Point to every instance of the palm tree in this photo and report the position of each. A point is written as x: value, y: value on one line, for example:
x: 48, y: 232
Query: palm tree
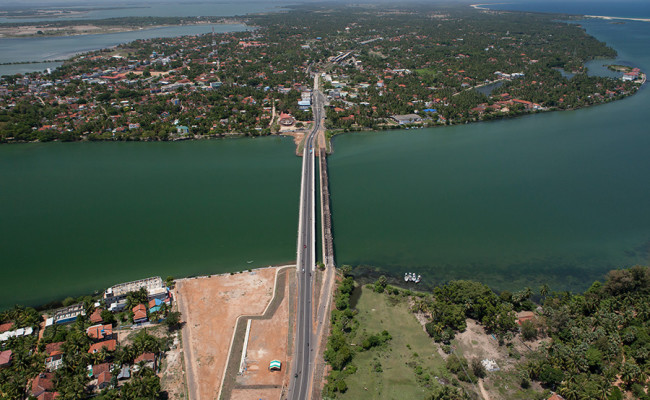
x: 544, y: 290
x: 604, y: 390
x: 570, y: 392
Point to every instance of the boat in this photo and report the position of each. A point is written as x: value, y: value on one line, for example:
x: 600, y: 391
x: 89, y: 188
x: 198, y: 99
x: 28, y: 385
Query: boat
x: 412, y: 277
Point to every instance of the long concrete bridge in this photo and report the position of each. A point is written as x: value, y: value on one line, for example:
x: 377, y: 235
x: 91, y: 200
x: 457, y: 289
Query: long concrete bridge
x: 307, y: 339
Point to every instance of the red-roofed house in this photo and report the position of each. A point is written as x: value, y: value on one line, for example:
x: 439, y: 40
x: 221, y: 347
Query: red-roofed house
x: 100, y: 368
x: 109, y: 344
x: 286, y: 120
x: 104, y: 379
x: 96, y: 316
x: 48, y: 396
x: 525, y: 316
x: 54, y: 353
x: 42, y: 383
x: 555, y: 396
x: 148, y: 358
x: 100, y: 332
x: 6, y: 327
x: 139, y: 314
x: 5, y: 358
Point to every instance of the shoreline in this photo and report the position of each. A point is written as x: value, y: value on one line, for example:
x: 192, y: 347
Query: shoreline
x: 485, y: 7
x: 609, y: 18
x: 97, y: 292
x: 31, y: 31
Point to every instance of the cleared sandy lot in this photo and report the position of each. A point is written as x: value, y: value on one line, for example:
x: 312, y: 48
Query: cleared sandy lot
x: 216, y: 311
x: 210, y: 307
x: 268, y: 340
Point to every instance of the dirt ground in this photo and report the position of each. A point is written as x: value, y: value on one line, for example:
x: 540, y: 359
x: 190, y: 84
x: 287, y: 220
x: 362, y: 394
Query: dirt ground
x: 172, y: 377
x: 267, y: 341
x: 475, y: 343
x: 254, y: 394
x: 210, y: 307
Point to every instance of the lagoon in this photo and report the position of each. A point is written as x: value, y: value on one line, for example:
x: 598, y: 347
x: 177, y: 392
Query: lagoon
x: 555, y: 198
x: 79, y: 217
x: 62, y: 47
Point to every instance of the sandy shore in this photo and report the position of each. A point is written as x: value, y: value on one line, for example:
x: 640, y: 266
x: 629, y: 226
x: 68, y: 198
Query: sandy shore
x: 605, y: 17
x: 32, y: 30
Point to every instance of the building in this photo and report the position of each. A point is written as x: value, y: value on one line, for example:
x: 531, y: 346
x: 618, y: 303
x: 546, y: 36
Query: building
x: 100, y: 332
x: 555, y: 396
x: 156, y: 305
x: 103, y: 374
x: 304, y: 104
x: 68, y: 314
x: 16, y: 333
x: 125, y: 373
x: 42, y: 383
x: 96, y: 316
x: 54, y: 356
x: 139, y: 314
x: 149, y: 360
x: 5, y: 358
x: 182, y: 130
x: 97, y: 347
x: 525, y: 316
x: 115, y: 296
x: 286, y: 120
x: 6, y: 327
x: 407, y: 119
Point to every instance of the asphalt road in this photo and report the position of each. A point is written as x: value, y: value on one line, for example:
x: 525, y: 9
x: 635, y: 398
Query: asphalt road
x: 299, y: 384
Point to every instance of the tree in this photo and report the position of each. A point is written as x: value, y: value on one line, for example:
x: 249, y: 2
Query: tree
x: 380, y: 284
x: 173, y: 320
x: 140, y: 296
x: 478, y: 368
x: 528, y: 330
x: 108, y: 317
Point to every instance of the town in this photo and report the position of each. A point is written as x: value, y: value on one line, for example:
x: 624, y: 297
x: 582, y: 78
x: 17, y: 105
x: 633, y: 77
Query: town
x: 385, y: 70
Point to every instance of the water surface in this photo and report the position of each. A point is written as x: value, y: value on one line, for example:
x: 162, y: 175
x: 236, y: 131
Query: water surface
x: 556, y: 198
x: 79, y: 217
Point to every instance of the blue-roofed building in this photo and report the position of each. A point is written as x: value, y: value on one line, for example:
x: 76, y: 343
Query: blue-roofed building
x: 430, y: 110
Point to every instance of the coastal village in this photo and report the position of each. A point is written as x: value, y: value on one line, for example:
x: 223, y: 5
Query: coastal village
x: 258, y: 82
x: 93, y: 345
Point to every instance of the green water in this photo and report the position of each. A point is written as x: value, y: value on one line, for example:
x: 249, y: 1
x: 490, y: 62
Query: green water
x: 556, y: 198
x: 77, y: 217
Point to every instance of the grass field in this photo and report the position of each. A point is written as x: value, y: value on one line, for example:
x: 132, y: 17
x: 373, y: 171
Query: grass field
x: 403, y: 368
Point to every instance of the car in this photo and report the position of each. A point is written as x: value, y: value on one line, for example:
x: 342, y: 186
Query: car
x: 296, y: 375
x: 304, y: 246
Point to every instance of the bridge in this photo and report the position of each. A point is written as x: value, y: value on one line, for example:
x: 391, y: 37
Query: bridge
x: 306, y: 342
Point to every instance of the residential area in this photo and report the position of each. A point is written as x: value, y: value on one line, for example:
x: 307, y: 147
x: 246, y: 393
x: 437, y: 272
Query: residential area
x: 437, y: 68
x: 92, y: 348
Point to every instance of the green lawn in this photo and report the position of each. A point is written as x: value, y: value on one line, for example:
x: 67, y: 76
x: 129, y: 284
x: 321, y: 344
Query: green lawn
x: 397, y: 378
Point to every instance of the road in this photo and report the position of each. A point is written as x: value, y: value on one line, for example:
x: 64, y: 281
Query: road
x: 300, y: 382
